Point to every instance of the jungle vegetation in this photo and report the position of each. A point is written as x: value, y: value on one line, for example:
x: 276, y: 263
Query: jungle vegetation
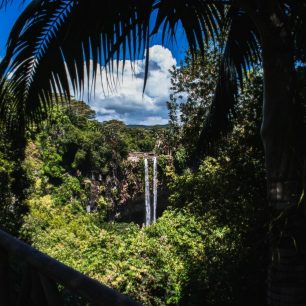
x: 210, y: 244
x: 43, y: 57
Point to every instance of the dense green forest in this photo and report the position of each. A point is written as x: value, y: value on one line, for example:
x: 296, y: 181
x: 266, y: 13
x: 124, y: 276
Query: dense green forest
x: 64, y: 192
x: 227, y: 172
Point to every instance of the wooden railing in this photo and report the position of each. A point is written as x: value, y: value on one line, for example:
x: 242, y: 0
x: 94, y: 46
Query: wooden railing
x: 31, y: 278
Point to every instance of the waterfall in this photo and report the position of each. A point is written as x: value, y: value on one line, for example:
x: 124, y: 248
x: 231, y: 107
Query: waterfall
x: 147, y: 193
x: 154, y: 188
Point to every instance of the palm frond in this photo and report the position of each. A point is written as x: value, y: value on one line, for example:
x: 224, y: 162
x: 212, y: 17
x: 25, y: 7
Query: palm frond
x: 51, y: 50
x: 201, y: 21
x: 56, y: 46
x: 241, y: 52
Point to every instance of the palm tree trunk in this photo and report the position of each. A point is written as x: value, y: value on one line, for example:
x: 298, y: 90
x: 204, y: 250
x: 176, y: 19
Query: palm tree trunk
x: 280, y: 127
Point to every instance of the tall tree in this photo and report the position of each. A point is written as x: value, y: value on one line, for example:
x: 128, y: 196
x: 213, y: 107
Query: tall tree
x: 50, y: 49
x: 192, y: 85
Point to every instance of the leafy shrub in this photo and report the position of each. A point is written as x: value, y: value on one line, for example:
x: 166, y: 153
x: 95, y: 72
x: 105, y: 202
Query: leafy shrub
x: 164, y: 264
x: 229, y: 186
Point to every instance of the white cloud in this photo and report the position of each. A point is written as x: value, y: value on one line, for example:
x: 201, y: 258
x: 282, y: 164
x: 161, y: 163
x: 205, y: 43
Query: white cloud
x: 128, y: 102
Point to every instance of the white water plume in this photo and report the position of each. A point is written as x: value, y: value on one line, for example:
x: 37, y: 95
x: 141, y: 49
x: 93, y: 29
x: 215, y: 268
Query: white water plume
x: 154, y: 188
x: 147, y: 194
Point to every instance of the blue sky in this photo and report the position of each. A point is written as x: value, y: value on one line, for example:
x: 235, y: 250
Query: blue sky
x: 7, y: 18
x: 127, y: 103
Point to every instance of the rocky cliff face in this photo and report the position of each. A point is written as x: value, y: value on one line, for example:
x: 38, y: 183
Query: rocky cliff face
x: 136, y: 157
x: 124, y: 189
x: 118, y: 193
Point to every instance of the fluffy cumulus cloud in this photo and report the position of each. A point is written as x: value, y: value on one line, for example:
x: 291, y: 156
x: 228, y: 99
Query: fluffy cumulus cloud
x: 128, y: 102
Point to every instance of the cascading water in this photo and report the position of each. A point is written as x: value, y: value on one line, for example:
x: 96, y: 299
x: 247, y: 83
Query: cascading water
x: 154, y: 188
x: 147, y: 193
